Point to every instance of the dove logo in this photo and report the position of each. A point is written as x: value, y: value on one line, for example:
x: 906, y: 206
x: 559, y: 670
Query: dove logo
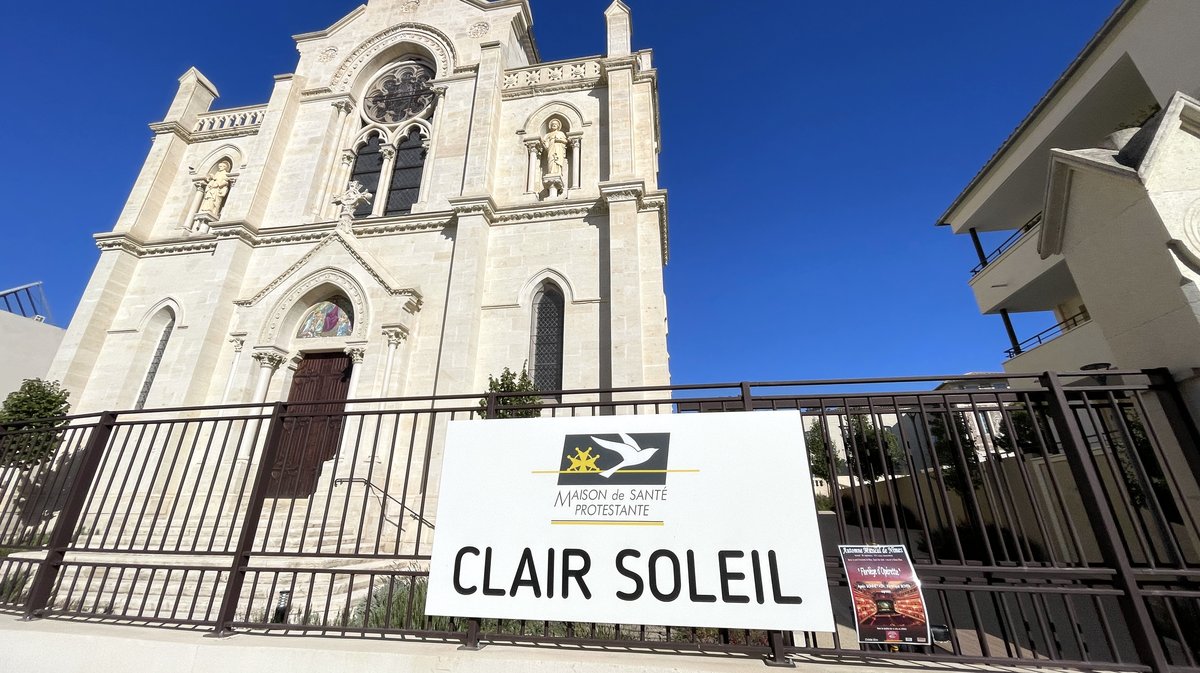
x: 638, y: 458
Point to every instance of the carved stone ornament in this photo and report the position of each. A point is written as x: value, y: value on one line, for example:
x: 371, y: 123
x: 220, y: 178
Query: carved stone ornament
x: 395, y: 335
x: 555, y: 142
x: 350, y: 200
x: 269, y: 359
x: 553, y: 185
x: 438, y: 45
x: 356, y: 353
x: 400, y: 94
x: 238, y: 343
x: 410, y: 5
x: 327, y: 54
x: 216, y: 189
x: 479, y: 29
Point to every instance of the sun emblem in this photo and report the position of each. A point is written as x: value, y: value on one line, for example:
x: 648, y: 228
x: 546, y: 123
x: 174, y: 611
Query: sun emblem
x: 583, y: 461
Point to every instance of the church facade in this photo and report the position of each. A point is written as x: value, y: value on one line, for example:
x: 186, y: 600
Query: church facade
x: 421, y: 204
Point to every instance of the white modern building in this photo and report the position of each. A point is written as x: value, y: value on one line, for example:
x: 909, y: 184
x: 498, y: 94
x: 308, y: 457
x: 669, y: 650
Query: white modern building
x: 28, y: 341
x: 1100, y: 187
x: 422, y: 203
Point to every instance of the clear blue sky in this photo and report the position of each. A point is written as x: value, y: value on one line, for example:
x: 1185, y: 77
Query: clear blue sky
x: 809, y: 148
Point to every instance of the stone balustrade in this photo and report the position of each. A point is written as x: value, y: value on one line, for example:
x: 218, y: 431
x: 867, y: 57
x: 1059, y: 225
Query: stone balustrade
x: 561, y: 75
x: 226, y: 120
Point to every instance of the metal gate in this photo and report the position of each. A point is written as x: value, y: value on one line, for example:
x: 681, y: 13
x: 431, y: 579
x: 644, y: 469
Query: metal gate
x: 1052, y: 518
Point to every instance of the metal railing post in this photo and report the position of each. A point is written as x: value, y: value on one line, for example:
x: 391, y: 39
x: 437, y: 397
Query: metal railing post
x: 747, y: 397
x: 68, y: 517
x: 1103, y: 523
x: 471, y: 637
x: 778, y: 657
x: 241, y: 558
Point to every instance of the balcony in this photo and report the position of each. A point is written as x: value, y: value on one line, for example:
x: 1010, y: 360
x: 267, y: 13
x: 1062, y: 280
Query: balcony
x: 27, y: 301
x: 1016, y: 278
x: 1070, y: 344
x: 1008, y: 243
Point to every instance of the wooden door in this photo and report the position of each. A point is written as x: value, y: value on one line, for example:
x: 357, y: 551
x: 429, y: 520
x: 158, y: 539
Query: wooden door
x: 312, y: 428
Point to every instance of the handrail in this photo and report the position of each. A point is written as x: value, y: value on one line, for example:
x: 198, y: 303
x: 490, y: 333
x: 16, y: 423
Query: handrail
x: 1008, y: 243
x: 34, y: 304
x: 1049, y: 334
x: 361, y: 480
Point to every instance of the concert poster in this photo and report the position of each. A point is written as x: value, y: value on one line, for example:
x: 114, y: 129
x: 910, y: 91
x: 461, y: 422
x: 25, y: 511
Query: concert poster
x: 888, y: 604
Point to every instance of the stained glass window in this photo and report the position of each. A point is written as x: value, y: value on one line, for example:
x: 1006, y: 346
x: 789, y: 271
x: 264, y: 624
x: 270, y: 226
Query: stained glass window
x: 333, y: 317
x: 155, y: 361
x: 548, y: 338
x: 367, y: 167
x: 400, y: 94
x: 406, y: 175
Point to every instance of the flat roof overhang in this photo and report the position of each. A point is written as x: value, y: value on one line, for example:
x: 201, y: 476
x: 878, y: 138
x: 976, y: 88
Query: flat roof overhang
x: 1010, y: 190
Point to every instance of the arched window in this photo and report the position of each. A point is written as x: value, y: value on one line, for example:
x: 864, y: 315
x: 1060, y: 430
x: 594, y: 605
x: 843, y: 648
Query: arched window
x: 333, y: 317
x: 400, y: 104
x: 155, y: 361
x: 367, y: 167
x: 547, y: 337
x: 405, y: 185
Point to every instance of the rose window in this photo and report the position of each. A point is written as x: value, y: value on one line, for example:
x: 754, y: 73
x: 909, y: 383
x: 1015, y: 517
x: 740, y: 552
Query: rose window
x: 400, y: 93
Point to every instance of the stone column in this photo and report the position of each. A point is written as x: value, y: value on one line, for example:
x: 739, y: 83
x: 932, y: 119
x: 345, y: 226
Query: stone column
x: 430, y: 144
x: 532, y: 183
x: 333, y: 180
x: 395, y: 335
x: 460, y: 322
x: 621, y: 165
x: 269, y: 360
x: 485, y: 122
x: 576, y: 150
x: 625, y: 286
x: 238, y: 341
x: 385, y: 180
x: 194, y: 207
x: 357, y: 352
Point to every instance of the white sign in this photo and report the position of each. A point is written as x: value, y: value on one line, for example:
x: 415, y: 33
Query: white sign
x: 676, y: 520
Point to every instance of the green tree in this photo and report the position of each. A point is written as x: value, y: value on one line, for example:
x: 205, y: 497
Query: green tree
x: 511, y: 382
x: 818, y: 453
x: 31, y: 422
x: 956, y: 476
x: 871, y: 453
x: 1024, y: 435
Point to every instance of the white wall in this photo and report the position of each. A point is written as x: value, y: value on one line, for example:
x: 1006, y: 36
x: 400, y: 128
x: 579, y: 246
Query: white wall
x: 26, y: 349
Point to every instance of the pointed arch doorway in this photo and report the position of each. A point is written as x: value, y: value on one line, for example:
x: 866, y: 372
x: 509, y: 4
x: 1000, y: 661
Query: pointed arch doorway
x: 312, y: 430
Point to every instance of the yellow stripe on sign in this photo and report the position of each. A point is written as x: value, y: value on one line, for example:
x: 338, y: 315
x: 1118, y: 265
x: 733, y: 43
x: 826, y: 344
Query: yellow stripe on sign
x: 567, y: 522
x: 619, y: 471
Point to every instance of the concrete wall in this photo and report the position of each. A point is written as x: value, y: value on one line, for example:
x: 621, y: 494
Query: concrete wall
x: 26, y: 350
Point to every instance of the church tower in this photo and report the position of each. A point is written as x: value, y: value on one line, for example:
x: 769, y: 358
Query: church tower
x: 421, y: 204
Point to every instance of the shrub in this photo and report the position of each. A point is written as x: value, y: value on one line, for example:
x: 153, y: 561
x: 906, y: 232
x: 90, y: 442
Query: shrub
x: 31, y: 418
x: 510, y: 382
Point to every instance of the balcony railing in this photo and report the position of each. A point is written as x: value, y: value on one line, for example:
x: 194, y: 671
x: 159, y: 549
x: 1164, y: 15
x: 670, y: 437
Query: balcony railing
x: 1008, y: 243
x: 1049, y: 334
x: 28, y: 301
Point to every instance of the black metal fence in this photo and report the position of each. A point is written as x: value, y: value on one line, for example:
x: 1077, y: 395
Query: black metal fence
x: 1053, y: 519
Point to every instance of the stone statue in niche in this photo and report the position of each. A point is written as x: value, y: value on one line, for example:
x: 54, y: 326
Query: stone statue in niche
x: 349, y: 201
x: 216, y: 189
x: 555, y: 148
